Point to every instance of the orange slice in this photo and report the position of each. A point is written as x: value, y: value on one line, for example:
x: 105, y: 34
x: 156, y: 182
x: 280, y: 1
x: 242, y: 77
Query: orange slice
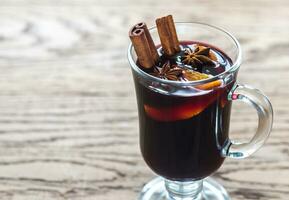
x: 172, y: 114
x: 210, y: 85
x: 179, y: 112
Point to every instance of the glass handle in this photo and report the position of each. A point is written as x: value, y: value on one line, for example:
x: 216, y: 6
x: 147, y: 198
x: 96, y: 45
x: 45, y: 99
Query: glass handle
x: 264, y: 109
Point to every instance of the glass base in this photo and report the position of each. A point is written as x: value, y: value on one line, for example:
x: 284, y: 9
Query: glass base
x: 155, y: 190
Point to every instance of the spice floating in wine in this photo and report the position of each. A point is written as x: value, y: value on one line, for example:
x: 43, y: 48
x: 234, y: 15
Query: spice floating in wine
x: 143, y: 45
x: 168, y: 36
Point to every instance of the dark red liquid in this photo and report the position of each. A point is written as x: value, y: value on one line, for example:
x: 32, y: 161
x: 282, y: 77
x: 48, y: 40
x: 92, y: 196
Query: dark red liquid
x: 181, y: 136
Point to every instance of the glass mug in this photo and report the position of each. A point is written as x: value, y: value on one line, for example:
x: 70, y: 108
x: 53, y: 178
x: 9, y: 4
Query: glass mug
x: 184, y: 128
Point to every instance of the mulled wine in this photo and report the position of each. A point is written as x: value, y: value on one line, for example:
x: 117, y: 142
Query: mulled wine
x: 184, y: 92
x: 183, y: 132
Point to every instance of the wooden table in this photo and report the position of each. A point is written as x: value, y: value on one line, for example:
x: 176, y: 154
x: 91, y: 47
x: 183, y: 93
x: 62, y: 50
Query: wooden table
x: 69, y: 125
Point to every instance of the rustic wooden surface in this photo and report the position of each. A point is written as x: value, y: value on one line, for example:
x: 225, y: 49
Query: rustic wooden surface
x: 69, y: 127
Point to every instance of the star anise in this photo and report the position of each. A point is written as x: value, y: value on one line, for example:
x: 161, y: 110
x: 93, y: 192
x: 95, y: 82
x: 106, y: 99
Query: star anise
x: 168, y: 72
x: 199, y: 57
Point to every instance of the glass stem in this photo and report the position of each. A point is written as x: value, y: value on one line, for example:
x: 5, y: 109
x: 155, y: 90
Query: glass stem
x: 187, y: 190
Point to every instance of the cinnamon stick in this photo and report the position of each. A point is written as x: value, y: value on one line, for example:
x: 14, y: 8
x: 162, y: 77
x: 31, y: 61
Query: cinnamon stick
x: 152, y: 45
x: 141, y: 47
x: 168, y: 35
x: 174, y: 36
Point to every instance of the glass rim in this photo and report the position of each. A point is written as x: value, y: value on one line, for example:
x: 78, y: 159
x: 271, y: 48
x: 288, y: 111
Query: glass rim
x: 236, y: 64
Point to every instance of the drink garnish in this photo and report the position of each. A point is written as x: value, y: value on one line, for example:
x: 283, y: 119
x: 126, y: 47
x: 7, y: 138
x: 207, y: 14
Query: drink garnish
x: 168, y: 72
x: 149, y: 38
x: 198, y: 57
x: 191, y: 75
x: 210, y: 85
x: 143, y: 45
x: 168, y: 35
x: 183, y: 64
x: 179, y: 112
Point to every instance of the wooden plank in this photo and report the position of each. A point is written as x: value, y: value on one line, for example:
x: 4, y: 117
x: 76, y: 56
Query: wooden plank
x: 68, y: 118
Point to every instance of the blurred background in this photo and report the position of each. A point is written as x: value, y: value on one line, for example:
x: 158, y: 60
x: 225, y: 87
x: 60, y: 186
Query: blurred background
x: 68, y: 118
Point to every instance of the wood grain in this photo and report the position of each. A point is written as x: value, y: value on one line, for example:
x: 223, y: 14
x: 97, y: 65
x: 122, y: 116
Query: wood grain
x: 68, y: 118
